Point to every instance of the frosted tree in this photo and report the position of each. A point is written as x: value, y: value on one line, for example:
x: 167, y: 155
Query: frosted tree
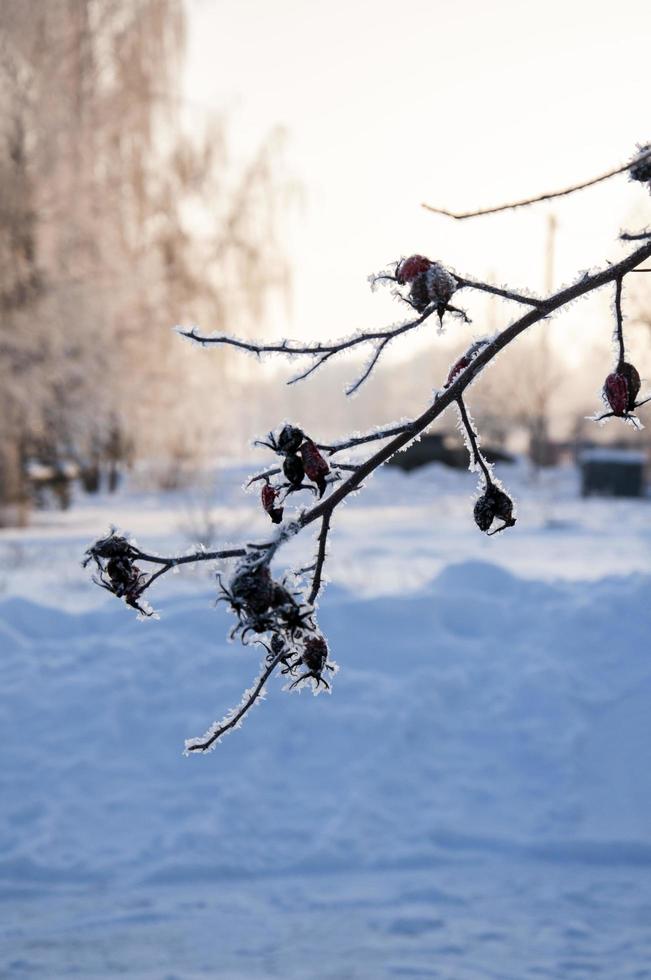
x: 279, y: 614
x: 100, y: 180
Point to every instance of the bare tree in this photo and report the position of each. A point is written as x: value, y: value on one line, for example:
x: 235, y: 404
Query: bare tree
x: 100, y: 187
x: 281, y: 615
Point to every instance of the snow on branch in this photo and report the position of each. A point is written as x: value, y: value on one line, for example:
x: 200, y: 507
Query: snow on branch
x: 280, y: 613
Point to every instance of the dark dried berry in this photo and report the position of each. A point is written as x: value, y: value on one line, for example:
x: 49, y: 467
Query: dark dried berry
x: 642, y: 169
x: 409, y: 269
x: 616, y: 393
x: 294, y: 471
x: 434, y: 285
x: 268, y: 498
x: 493, y: 503
x: 315, y: 653
x: 621, y: 389
x: 315, y: 466
x: 315, y: 659
x: 122, y: 573
x: 252, y: 586
x: 289, y: 440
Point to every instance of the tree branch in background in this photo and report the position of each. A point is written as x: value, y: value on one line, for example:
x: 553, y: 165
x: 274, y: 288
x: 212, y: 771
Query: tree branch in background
x: 642, y: 158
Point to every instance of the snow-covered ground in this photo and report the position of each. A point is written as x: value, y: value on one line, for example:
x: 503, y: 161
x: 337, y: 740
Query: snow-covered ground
x: 473, y: 801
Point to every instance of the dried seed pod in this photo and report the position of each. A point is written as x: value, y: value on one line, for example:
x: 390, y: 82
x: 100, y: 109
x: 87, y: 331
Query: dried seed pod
x: 442, y: 285
x: 621, y: 389
x: 316, y: 468
x: 493, y: 503
x: 642, y: 169
x: 615, y: 392
x: 252, y: 587
x: 315, y: 653
x: 268, y: 497
x: 315, y: 659
x: 294, y: 471
x: 126, y: 581
x: 122, y: 574
x: 289, y: 440
x: 434, y: 285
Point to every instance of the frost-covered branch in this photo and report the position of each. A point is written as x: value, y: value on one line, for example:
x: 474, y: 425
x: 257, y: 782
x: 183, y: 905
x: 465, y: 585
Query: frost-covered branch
x: 392, y: 430
x: 320, y: 558
x: 476, y: 457
x: 637, y: 237
x: 280, y: 612
x: 486, y: 287
x: 321, y: 353
x: 234, y: 717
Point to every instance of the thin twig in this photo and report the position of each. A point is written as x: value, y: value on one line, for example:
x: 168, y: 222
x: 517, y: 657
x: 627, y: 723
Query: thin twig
x: 627, y: 237
x: 459, y: 216
x: 367, y: 370
x: 264, y: 475
x: 620, y: 320
x: 321, y: 352
x: 215, y: 733
x: 187, y: 559
x: 161, y: 571
x: 337, y: 447
x: 496, y: 291
x: 320, y: 558
x: 476, y: 454
x: 168, y: 563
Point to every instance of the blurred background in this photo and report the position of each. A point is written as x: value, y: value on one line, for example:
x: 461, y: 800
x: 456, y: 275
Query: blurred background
x: 474, y: 800
x: 245, y: 167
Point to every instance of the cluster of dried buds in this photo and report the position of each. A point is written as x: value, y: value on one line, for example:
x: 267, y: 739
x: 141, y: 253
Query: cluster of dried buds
x: 430, y: 284
x: 301, y: 460
x: 263, y: 605
x: 310, y: 653
x: 117, y: 573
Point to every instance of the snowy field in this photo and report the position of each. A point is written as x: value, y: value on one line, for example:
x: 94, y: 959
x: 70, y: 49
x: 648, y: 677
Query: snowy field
x: 473, y: 801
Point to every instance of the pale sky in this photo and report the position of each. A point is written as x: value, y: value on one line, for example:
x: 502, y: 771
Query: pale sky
x: 459, y: 104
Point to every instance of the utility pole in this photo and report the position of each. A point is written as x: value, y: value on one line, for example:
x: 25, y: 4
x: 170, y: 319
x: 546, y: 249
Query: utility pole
x: 539, y: 444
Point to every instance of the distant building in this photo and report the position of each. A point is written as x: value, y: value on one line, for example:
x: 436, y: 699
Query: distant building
x: 612, y: 472
x: 434, y: 448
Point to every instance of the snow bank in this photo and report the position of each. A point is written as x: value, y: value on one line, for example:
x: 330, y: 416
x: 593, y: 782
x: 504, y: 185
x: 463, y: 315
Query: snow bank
x: 488, y: 712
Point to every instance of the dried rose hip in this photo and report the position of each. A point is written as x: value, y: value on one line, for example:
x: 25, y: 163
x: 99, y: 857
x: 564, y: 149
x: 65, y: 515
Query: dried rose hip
x: 621, y: 389
x: 493, y: 503
x: 316, y: 468
x: 268, y: 498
